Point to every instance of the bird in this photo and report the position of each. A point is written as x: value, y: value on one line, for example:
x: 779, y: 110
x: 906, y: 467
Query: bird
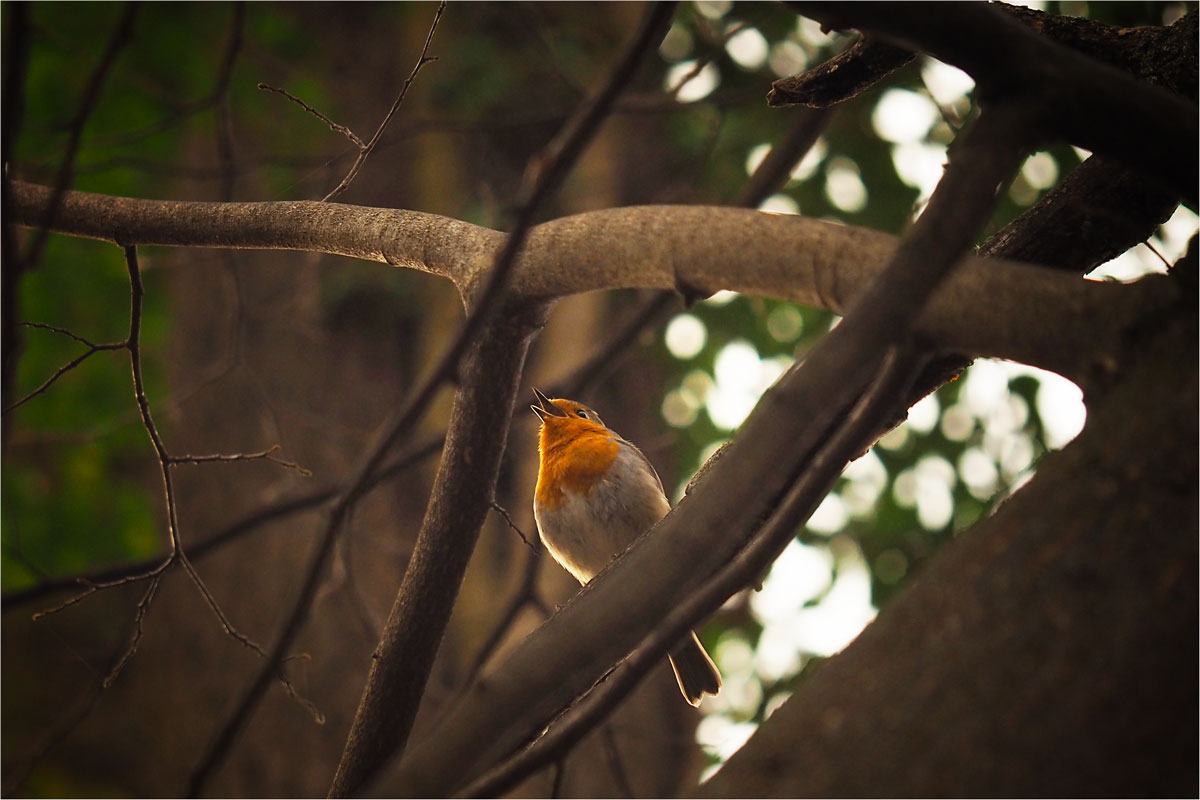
x: 596, y: 493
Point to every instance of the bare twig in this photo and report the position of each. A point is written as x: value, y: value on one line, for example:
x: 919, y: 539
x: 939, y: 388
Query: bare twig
x: 65, y: 368
x: 69, y: 334
x: 267, y: 455
x: 143, y: 607
x: 1154, y: 250
x: 365, y: 150
x: 517, y: 528
x: 176, y: 554
x: 334, y: 126
x: 232, y: 533
x: 704, y: 61
x: 91, y: 587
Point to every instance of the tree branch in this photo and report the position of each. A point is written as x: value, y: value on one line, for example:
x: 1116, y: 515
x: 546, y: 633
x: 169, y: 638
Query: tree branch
x: 365, y: 150
x: 1138, y: 51
x: 231, y: 533
x: 467, y: 476
x: 1043, y: 316
x: 1039, y: 654
x: 853, y: 435
x: 604, y: 622
x: 1078, y: 99
x: 842, y: 77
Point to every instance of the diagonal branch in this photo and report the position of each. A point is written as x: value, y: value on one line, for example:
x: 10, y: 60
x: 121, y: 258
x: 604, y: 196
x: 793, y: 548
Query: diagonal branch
x: 467, y: 477
x: 65, y: 368
x: 854, y: 434
x: 333, y: 126
x: 365, y: 150
x: 230, y: 534
x: 702, y: 534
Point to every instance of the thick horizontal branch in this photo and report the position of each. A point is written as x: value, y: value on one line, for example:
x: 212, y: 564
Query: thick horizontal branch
x: 413, y: 239
x: 1019, y: 312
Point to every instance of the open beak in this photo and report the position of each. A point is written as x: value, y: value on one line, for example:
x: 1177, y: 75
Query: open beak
x: 545, y: 408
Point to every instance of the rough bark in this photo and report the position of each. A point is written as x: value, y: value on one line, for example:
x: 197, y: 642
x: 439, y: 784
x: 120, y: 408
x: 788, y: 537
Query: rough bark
x: 1050, y: 651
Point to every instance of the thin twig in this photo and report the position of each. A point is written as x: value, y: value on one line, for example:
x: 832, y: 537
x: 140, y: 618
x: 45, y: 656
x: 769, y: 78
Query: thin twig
x: 249, y: 643
x: 267, y: 455
x: 63, y: 370
x: 504, y: 513
x: 143, y: 607
x: 91, y: 587
x: 334, y: 126
x: 63, y: 331
x: 365, y: 150
x: 1161, y: 257
x: 231, y: 533
x: 704, y: 61
x: 176, y: 552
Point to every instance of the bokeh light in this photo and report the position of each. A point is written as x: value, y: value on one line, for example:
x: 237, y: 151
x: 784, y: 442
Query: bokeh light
x: 748, y: 49
x: 685, y: 336
x: 695, y: 86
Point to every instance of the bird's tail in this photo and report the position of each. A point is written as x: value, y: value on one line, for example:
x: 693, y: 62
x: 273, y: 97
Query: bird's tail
x: 695, y: 671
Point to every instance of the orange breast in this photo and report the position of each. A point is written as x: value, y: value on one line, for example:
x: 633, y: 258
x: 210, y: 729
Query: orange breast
x: 575, y: 454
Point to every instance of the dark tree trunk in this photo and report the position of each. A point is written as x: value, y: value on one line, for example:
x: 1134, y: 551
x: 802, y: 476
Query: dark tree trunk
x: 1049, y: 651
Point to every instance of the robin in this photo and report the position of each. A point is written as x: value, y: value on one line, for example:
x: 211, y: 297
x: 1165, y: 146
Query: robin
x: 596, y: 493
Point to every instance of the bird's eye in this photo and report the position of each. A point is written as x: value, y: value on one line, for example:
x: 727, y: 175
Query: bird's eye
x: 582, y: 413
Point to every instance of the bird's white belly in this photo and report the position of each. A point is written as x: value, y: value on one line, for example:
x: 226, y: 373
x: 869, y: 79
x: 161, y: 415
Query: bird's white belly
x: 584, y: 532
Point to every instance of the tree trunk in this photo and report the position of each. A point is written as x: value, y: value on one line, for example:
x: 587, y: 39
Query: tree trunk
x: 1049, y: 651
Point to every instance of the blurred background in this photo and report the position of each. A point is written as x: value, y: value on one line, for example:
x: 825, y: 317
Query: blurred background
x: 247, y: 350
